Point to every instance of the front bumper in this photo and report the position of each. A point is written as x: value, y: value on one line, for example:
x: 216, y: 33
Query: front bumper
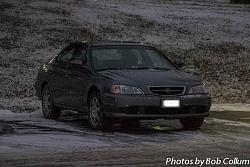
x: 149, y: 106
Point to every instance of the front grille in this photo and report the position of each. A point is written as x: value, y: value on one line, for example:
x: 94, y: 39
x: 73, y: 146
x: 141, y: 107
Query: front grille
x: 167, y: 90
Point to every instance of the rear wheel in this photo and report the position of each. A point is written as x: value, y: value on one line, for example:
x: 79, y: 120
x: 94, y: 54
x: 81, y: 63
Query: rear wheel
x: 192, y: 123
x: 50, y: 111
x: 97, y: 119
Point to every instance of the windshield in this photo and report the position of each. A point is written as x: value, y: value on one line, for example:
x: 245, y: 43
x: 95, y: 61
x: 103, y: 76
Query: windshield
x: 128, y: 58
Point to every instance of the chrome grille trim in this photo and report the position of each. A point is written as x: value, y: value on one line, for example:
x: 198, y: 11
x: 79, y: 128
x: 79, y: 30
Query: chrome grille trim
x: 179, y: 91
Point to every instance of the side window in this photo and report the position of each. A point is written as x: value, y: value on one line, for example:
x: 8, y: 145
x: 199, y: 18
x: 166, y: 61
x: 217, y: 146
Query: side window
x: 65, y: 56
x: 80, y: 53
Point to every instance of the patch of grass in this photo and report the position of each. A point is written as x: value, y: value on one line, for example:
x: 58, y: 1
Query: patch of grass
x: 6, y: 5
x: 224, y: 67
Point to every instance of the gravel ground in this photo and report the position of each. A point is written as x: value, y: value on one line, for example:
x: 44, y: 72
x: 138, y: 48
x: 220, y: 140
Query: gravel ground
x: 35, y: 141
x: 211, y: 37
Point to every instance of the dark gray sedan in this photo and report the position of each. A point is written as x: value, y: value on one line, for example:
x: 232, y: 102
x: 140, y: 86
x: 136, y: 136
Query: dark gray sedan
x: 120, y: 81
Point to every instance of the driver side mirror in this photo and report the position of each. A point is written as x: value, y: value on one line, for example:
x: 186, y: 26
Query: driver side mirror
x: 178, y: 64
x: 78, y: 64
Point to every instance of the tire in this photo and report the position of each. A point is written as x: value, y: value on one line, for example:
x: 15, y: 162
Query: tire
x: 97, y: 120
x: 50, y: 111
x: 191, y: 123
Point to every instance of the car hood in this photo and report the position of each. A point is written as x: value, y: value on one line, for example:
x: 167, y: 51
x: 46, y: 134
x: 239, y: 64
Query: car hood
x: 151, y: 77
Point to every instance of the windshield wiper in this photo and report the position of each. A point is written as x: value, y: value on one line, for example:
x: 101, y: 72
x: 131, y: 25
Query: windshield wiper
x: 141, y: 68
x: 153, y: 68
x: 108, y: 69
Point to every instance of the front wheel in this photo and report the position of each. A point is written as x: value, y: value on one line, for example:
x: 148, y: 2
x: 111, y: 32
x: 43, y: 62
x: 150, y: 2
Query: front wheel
x: 191, y: 123
x: 97, y: 119
x: 50, y: 111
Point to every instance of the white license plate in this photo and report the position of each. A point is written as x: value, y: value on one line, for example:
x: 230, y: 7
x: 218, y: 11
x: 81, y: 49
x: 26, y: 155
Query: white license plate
x: 170, y: 103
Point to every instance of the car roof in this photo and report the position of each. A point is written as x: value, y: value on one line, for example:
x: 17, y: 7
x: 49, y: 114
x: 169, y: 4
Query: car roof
x: 98, y: 43
x: 111, y: 43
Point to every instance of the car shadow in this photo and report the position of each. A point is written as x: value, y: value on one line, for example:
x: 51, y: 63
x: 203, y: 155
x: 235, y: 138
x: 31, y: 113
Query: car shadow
x: 80, y: 121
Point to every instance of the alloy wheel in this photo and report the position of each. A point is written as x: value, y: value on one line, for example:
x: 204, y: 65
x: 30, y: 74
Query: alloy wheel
x: 95, y: 110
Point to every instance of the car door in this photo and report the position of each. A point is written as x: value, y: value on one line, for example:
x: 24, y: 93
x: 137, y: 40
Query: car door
x: 59, y: 80
x: 79, y: 73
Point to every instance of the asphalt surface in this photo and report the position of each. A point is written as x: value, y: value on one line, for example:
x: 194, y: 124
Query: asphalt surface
x: 34, y: 141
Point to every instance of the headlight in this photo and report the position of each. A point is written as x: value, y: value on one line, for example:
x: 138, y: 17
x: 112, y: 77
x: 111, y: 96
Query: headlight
x: 200, y: 89
x: 44, y: 67
x: 122, y: 89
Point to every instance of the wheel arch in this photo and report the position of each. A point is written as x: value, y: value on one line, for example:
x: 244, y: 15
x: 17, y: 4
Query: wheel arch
x: 43, y: 85
x: 93, y: 88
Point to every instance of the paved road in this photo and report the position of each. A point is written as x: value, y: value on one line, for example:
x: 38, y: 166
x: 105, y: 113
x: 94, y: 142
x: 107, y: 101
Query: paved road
x: 34, y: 141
